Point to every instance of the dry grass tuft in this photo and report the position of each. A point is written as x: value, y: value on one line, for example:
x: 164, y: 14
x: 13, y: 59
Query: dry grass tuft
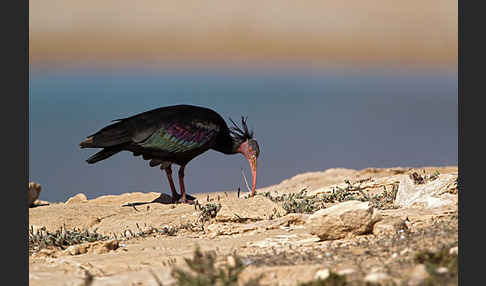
x: 61, y: 238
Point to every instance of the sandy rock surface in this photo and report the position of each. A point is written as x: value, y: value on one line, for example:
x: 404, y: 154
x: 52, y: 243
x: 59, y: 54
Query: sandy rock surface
x: 430, y: 194
x: 77, y: 199
x: 389, y: 225
x: 142, y: 249
x: 254, y: 209
x: 343, y: 220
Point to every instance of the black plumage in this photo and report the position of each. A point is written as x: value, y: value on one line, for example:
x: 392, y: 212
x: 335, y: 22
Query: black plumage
x: 174, y: 135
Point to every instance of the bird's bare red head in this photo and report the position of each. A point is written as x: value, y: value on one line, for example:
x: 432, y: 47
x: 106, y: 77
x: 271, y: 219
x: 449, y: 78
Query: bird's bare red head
x: 247, y: 146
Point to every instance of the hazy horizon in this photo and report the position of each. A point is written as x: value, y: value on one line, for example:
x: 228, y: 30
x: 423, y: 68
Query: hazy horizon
x: 352, y: 32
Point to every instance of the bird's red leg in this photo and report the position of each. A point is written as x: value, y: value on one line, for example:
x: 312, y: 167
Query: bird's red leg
x: 175, y: 195
x: 164, y: 198
x: 184, y: 198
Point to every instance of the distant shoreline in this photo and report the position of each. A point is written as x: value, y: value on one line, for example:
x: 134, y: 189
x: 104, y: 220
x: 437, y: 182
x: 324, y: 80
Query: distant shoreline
x: 54, y: 48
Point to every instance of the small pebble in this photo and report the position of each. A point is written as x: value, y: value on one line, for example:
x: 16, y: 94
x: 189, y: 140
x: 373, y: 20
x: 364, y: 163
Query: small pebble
x: 454, y: 250
x: 405, y: 251
x: 322, y: 274
x: 377, y: 277
x: 231, y: 261
x: 442, y: 270
x: 346, y: 271
x: 418, y: 275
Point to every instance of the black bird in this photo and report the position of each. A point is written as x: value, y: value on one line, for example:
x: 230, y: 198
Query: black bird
x: 174, y: 135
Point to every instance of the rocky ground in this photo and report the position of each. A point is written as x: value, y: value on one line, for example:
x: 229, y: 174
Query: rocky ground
x: 395, y: 226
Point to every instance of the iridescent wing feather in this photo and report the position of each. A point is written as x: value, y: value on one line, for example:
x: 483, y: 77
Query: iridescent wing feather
x: 180, y: 137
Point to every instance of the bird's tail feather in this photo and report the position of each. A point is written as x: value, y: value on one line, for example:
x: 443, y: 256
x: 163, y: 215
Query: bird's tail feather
x: 103, y: 154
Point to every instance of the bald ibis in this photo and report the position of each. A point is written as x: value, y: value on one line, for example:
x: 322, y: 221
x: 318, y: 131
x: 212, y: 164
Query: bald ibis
x: 174, y: 135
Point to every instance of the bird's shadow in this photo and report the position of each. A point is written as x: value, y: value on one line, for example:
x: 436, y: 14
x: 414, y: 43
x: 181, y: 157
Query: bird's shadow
x: 38, y: 205
x: 162, y: 199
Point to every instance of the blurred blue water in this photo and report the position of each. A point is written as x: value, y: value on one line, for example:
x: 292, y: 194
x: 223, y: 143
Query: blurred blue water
x: 305, y: 119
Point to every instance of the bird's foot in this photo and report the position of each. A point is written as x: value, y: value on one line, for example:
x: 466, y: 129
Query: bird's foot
x: 187, y: 201
x: 176, y: 198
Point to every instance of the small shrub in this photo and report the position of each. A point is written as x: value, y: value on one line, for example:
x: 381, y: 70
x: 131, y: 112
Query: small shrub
x: 61, y: 238
x: 298, y: 202
x: 434, y: 260
x: 208, y: 211
x: 385, y: 199
x: 205, y: 273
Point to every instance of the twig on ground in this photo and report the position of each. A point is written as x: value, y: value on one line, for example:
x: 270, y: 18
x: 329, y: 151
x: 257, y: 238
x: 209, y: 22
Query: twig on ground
x: 244, y: 177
